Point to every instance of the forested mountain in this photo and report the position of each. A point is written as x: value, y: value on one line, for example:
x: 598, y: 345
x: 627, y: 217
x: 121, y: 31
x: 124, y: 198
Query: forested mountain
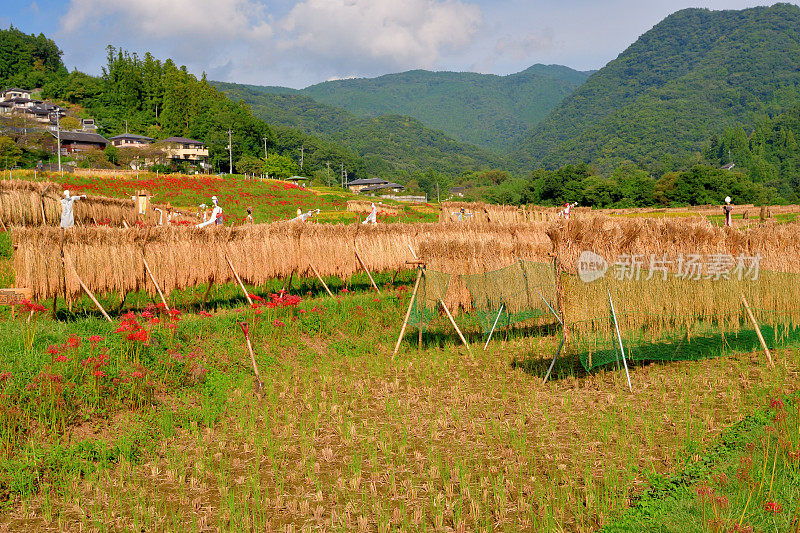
x: 769, y: 153
x: 482, y: 109
x: 28, y: 61
x: 694, y: 74
x: 390, y: 145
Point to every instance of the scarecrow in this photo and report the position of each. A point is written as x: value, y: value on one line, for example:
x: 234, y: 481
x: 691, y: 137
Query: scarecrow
x: 728, y: 210
x: 249, y: 219
x: 216, y: 215
x: 372, y: 218
x: 67, y: 215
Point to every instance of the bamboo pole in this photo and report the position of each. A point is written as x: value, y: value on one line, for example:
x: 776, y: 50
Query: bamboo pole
x: 493, y: 326
x: 208, y: 290
x: 246, y: 331
x: 408, y: 312
x: 236, y: 274
x: 288, y: 281
x: 153, y: 279
x: 320, y: 279
x: 367, y: 271
x: 452, y: 321
x: 68, y: 260
x: 758, y: 330
x: 619, y: 338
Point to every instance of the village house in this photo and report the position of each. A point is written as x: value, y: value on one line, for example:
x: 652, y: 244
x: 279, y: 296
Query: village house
x: 382, y: 188
x: 356, y: 186
x: 130, y: 140
x: 182, y: 149
x: 77, y: 141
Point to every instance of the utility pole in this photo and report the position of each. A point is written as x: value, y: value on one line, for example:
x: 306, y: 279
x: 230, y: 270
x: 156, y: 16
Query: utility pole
x: 230, y: 151
x: 342, y: 166
x: 265, y: 148
x: 328, y: 178
x: 437, y: 192
x: 58, y: 136
x: 301, y: 157
x: 126, y: 127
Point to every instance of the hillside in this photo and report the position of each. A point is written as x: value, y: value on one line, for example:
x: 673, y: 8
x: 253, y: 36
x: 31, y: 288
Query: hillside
x: 399, y: 146
x: 694, y: 74
x: 482, y: 109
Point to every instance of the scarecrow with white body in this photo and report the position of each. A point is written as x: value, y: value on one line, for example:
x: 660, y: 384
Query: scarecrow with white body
x: 67, y: 214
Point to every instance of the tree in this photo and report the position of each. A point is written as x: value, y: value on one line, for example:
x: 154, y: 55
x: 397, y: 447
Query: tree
x: 10, y: 153
x: 280, y: 166
x: 248, y: 164
x: 70, y: 124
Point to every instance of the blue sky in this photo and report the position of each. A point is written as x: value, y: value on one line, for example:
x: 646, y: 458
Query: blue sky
x: 296, y: 43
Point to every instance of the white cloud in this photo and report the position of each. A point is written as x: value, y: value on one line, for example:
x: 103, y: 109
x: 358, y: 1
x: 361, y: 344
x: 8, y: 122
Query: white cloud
x: 522, y: 49
x: 362, y: 33
x: 155, y: 19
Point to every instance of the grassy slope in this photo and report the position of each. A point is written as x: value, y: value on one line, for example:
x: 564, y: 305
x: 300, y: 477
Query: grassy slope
x: 271, y: 200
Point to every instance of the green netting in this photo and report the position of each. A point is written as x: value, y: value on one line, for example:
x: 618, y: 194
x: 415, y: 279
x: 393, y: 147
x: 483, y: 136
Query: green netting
x: 516, y: 293
x: 702, y: 340
x: 432, y: 289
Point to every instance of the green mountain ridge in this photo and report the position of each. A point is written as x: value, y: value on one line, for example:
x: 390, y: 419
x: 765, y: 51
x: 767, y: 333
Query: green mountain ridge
x: 486, y: 110
x: 694, y: 74
x: 391, y: 145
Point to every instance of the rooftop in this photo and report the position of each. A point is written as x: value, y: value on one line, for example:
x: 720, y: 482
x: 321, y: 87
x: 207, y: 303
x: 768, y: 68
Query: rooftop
x: 183, y: 140
x: 380, y: 186
x: 76, y: 136
x: 131, y: 136
x: 368, y: 181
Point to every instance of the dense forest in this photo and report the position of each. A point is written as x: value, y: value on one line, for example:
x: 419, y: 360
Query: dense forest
x: 481, y: 109
x: 696, y: 73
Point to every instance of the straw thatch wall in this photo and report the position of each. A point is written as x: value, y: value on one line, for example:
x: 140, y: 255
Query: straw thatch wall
x: 109, y: 259
x: 35, y: 203
x: 777, y: 244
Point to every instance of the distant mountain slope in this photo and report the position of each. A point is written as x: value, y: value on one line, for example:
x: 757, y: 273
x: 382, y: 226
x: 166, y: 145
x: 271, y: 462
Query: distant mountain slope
x: 394, y: 145
x: 482, y: 109
x: 694, y: 74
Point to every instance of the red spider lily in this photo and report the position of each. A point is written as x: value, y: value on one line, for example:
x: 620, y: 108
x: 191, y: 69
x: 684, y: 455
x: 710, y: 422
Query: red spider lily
x: 277, y: 323
x: 344, y: 289
x: 52, y: 349
x: 254, y: 306
x: 161, y: 306
x: 4, y: 376
x: 32, y: 307
x: 140, y: 336
x: 147, y: 314
x: 377, y: 299
x: 61, y: 358
x: 204, y: 314
x: 776, y: 403
x: 302, y: 311
x: 245, y: 329
x: 74, y: 341
x: 256, y: 297
x: 154, y: 321
x: 98, y: 373
x: 94, y: 339
x: 772, y: 507
x: 136, y: 374
x: 174, y: 314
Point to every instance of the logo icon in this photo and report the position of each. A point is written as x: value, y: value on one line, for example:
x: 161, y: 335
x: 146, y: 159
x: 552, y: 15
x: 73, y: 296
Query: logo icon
x: 591, y: 266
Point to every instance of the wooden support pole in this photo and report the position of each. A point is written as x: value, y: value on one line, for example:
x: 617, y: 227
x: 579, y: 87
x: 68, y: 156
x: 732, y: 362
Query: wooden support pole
x: 758, y: 330
x: 208, y: 289
x: 367, y: 271
x: 246, y: 331
x: 153, y: 279
x: 452, y: 321
x: 68, y: 260
x: 236, y: 274
x: 408, y: 312
x: 287, y: 281
x: 122, y: 301
x: 320, y: 279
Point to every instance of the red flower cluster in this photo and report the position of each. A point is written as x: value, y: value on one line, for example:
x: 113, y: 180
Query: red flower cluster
x: 32, y: 307
x: 772, y: 507
x: 204, y: 314
x: 283, y: 300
